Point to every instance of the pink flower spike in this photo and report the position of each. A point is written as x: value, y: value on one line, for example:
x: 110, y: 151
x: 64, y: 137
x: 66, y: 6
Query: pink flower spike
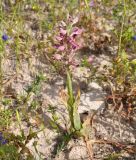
x: 63, y: 31
x: 90, y: 59
x: 57, y: 57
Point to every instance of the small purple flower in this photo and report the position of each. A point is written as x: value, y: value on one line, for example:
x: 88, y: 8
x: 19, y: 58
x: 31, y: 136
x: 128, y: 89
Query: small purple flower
x: 3, y: 141
x: 91, y: 3
x: 5, y: 37
x: 1, y: 138
x: 134, y: 38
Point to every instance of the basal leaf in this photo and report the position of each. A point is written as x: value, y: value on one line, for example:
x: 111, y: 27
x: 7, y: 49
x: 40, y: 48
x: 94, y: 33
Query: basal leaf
x: 69, y: 87
x: 76, y: 119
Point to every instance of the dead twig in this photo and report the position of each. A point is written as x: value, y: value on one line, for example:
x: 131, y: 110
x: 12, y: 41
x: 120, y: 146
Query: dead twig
x: 88, y: 125
x: 128, y: 148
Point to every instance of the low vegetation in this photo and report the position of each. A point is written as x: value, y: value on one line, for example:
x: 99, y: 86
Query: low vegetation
x: 43, y: 40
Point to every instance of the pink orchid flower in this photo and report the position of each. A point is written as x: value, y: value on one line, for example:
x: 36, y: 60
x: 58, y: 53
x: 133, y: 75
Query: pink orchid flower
x: 73, y: 43
x: 76, y: 32
x: 59, y: 38
x: 63, y: 31
x: 61, y: 48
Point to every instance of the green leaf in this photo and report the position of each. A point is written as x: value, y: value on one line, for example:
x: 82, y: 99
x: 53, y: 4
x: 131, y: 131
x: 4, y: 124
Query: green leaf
x: 18, y: 118
x: 63, y: 143
x: 76, y: 119
x: 133, y: 62
x: 124, y: 56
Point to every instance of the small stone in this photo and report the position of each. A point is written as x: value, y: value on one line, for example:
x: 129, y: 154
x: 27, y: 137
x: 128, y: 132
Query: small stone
x: 92, y: 100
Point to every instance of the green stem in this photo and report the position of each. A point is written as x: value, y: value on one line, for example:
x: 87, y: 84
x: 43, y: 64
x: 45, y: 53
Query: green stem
x: 122, y: 28
x: 86, y: 3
